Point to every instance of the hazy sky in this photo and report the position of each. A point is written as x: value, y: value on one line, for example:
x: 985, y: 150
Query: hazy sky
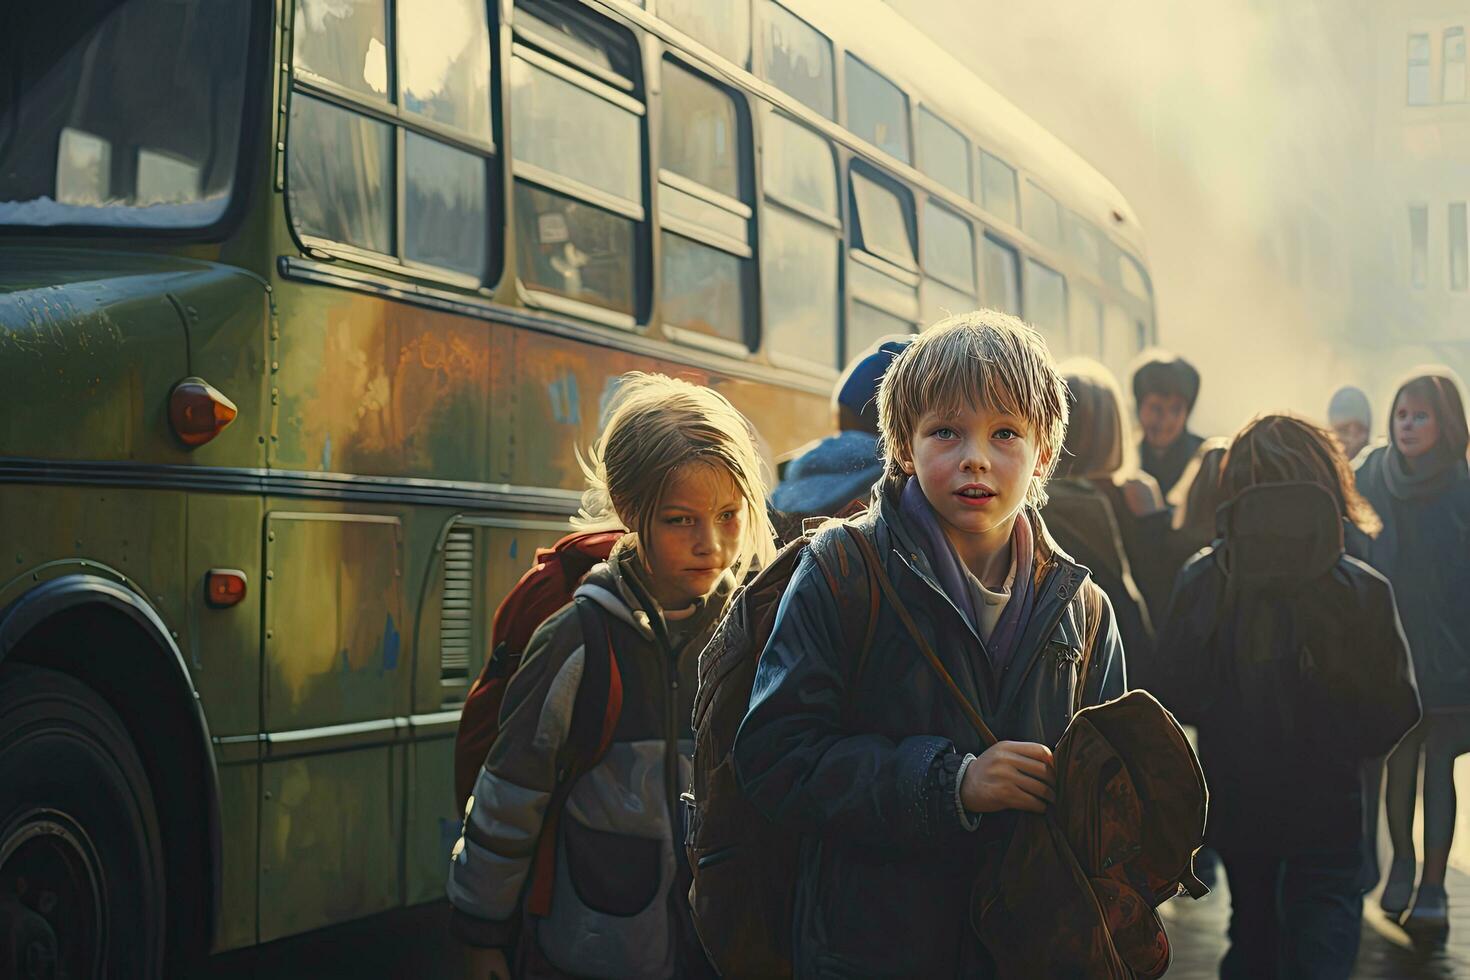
x: 1242, y: 139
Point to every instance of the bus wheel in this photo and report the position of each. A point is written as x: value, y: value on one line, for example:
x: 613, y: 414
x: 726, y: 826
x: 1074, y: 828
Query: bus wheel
x: 81, y: 868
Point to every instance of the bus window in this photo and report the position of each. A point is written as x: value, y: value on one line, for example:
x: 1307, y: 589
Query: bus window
x: 577, y: 152
x: 723, y: 27
x: 1083, y: 241
x: 800, y: 236
x: 1134, y: 278
x: 1040, y: 216
x: 882, y: 276
x: 703, y: 211
x: 944, y: 153
x: 82, y: 141
x: 446, y: 83
x: 877, y: 110
x: 949, y: 264
x: 339, y: 179
x: 1001, y: 287
x: 998, y: 187
x: 1087, y: 325
x: 798, y: 60
x: 1045, y: 301
x: 881, y: 222
x: 341, y: 163
x: 1120, y: 340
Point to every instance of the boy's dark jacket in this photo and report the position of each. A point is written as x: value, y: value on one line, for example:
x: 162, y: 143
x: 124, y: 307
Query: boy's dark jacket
x: 1288, y: 655
x: 618, y: 906
x: 886, y: 866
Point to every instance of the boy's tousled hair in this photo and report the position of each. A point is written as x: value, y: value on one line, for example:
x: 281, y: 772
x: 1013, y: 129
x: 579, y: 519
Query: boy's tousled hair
x: 1160, y: 373
x: 1287, y: 449
x: 655, y: 425
x: 981, y: 359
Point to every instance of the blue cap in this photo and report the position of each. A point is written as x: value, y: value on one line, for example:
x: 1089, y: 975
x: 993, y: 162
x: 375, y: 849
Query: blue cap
x: 857, y: 389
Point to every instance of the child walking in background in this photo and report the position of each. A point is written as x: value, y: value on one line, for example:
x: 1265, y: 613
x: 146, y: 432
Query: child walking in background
x: 677, y: 465
x: 884, y: 776
x: 1419, y: 485
x: 1287, y: 654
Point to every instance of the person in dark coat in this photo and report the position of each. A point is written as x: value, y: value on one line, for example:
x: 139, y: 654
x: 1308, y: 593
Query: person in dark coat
x: 834, y: 477
x: 892, y: 791
x: 1165, y: 387
x: 1288, y: 656
x: 1419, y: 485
x: 1081, y: 516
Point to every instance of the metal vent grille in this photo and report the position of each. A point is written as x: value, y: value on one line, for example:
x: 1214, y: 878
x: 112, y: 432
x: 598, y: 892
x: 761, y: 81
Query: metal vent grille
x: 456, y: 623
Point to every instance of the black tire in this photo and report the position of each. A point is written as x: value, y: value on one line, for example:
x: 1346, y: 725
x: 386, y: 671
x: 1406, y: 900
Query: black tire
x: 81, y: 862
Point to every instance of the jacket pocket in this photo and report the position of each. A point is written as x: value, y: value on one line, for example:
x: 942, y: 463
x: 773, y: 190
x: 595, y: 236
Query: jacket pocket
x: 612, y: 873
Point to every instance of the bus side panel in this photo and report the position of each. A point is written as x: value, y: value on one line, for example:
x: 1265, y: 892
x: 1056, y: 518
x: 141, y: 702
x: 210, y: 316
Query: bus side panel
x: 377, y: 388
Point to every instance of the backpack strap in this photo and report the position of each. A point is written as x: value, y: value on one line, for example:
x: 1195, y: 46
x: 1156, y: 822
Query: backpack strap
x: 595, y: 713
x: 1089, y: 606
x: 854, y: 606
x: 876, y: 570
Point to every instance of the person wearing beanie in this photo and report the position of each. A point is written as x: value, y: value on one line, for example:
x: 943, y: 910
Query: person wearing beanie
x: 1351, y: 419
x: 834, y: 477
x: 1165, y: 387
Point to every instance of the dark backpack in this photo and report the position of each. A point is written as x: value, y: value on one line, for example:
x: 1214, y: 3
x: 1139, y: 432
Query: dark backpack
x: 546, y: 586
x: 744, y: 866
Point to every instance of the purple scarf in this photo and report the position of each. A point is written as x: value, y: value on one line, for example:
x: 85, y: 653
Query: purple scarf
x: 953, y: 577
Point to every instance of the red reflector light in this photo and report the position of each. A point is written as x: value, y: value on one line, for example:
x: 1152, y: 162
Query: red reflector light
x: 198, y: 412
x: 224, y: 587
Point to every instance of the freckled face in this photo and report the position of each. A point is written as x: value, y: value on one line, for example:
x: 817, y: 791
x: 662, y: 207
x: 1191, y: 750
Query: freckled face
x: 696, y: 534
x: 974, y: 466
x: 1415, y: 427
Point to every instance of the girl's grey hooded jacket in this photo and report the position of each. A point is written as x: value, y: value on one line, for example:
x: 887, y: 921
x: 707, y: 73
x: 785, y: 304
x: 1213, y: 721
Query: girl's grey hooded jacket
x: 618, y: 907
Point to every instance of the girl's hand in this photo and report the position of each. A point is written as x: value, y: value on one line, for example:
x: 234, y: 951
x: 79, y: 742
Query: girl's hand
x: 1010, y: 776
x: 489, y: 964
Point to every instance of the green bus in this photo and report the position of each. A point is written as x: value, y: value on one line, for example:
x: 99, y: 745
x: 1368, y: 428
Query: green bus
x: 305, y: 306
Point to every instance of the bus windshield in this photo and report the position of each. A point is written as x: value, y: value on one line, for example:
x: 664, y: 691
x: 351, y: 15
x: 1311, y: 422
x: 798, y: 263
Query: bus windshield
x: 121, y: 113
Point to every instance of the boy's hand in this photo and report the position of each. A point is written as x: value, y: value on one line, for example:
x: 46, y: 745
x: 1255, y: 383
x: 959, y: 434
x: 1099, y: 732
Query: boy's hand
x: 1010, y: 776
x: 489, y: 964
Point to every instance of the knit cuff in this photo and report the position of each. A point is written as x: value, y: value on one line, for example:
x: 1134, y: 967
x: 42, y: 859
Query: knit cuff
x: 969, y: 821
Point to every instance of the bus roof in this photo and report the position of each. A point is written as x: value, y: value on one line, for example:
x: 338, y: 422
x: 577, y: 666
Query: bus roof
x: 882, y: 38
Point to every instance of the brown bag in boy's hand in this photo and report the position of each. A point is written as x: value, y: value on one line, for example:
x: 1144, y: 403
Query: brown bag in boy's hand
x: 1075, y: 893
x: 744, y: 865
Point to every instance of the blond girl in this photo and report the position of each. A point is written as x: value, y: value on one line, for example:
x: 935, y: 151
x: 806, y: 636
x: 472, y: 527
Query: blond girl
x: 678, y: 466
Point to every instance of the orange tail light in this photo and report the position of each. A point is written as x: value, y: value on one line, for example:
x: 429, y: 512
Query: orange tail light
x: 224, y: 587
x: 198, y: 412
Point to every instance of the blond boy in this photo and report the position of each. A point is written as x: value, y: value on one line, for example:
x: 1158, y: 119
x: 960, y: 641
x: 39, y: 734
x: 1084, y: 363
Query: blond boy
x: 895, y: 794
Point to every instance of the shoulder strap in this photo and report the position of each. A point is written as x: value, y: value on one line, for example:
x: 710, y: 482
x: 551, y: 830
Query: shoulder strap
x: 849, y: 601
x: 1089, y: 604
x: 595, y: 713
x: 876, y: 570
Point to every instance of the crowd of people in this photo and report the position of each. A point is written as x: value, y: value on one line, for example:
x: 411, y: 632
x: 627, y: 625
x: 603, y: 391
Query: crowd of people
x: 1292, y: 592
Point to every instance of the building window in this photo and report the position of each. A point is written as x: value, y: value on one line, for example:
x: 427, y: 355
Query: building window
x: 1418, y: 69
x: 1459, y: 273
x: 944, y: 153
x: 877, y: 110
x: 998, y: 187
x: 798, y: 60
x: 1452, y: 82
x: 882, y: 275
x: 723, y: 27
x: 1040, y: 216
x: 578, y: 159
x: 1419, y: 245
x: 389, y: 153
x: 801, y: 230
x: 704, y: 212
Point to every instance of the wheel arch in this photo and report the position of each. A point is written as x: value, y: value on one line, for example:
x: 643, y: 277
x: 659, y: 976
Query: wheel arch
x: 57, y: 625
